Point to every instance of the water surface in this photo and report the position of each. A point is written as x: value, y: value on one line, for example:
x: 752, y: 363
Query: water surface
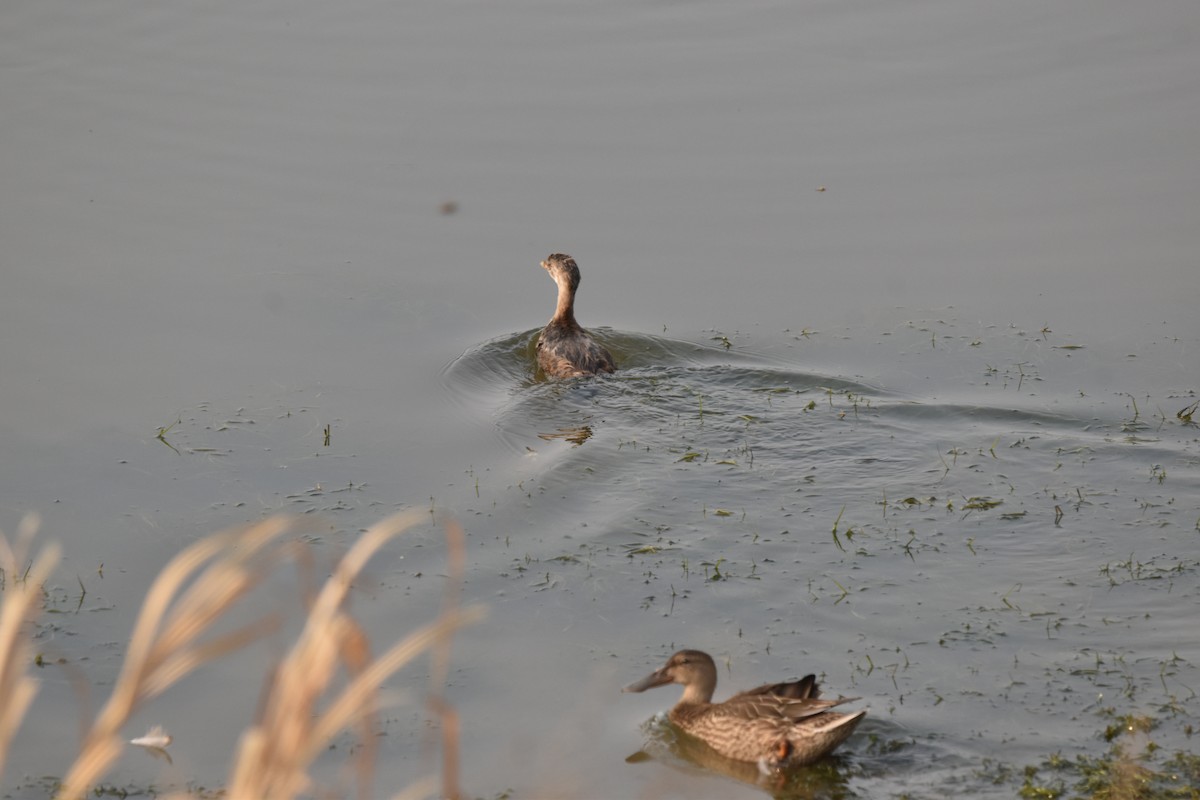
x: 903, y: 300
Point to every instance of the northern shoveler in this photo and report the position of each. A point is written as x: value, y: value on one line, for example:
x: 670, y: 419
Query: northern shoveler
x: 776, y: 725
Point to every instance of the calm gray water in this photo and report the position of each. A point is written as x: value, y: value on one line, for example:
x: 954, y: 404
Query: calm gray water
x: 925, y: 272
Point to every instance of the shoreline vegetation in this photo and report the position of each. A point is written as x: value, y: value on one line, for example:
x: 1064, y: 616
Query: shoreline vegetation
x: 326, y: 683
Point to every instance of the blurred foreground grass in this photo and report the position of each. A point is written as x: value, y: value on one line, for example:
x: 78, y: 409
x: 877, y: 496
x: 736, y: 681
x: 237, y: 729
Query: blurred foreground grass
x: 175, y: 634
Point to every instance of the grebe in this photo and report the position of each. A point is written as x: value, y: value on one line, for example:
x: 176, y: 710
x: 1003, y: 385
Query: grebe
x: 564, y: 349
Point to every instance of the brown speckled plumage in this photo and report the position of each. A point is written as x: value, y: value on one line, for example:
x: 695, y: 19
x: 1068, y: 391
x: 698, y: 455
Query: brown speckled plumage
x: 775, y: 726
x: 564, y: 349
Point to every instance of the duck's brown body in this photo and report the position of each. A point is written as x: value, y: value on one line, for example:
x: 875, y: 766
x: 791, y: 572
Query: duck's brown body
x: 775, y: 726
x: 564, y: 349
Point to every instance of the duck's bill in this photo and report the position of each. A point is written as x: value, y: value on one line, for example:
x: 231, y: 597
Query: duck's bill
x: 656, y: 678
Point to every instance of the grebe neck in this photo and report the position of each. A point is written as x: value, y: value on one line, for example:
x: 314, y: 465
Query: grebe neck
x: 564, y: 312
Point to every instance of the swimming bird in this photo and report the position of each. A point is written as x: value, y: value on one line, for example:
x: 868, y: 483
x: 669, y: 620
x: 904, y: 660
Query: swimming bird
x: 564, y: 349
x: 776, y: 726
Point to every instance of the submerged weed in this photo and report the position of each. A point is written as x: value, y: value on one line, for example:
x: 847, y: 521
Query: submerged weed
x: 836, y: 540
x: 1127, y: 771
x: 981, y: 503
x: 1133, y: 570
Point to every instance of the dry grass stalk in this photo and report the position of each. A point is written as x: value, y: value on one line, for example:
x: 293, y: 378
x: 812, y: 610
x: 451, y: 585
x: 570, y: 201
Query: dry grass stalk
x: 172, y: 638
x: 22, y: 602
x: 274, y: 755
x: 167, y: 641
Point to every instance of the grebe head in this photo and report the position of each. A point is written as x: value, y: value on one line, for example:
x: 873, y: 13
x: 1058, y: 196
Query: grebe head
x: 563, y: 270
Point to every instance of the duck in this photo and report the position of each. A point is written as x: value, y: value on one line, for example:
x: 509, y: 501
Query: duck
x: 776, y: 726
x: 564, y: 348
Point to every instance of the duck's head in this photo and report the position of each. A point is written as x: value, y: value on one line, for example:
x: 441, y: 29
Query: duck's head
x: 691, y: 668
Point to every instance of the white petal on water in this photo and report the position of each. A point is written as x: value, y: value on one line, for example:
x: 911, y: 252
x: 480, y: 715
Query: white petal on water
x: 155, y: 737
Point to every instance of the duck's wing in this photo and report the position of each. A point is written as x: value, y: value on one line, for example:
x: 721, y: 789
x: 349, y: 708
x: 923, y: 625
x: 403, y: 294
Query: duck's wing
x: 805, y: 687
x: 809, y: 706
x: 756, y: 704
x: 818, y: 736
